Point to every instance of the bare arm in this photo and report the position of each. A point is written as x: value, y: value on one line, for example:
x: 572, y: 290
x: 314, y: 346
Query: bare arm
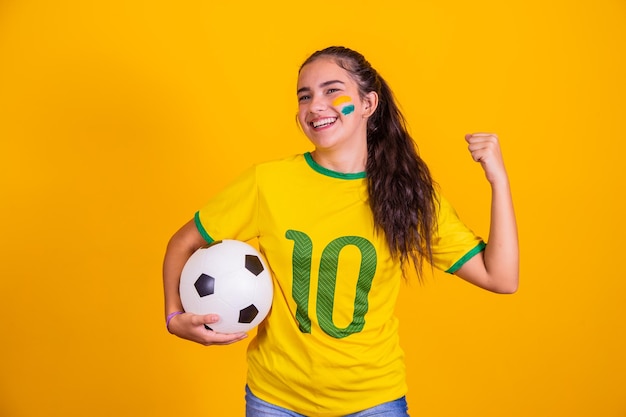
x: 497, y: 268
x: 188, y: 326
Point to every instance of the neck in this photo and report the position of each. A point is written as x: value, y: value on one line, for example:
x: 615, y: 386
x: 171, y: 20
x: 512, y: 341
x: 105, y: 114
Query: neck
x: 350, y: 161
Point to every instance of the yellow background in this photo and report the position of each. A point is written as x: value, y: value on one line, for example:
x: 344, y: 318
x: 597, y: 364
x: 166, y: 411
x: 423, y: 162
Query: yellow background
x: 118, y: 119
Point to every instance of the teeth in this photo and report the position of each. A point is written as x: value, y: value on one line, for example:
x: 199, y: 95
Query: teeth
x: 324, y: 122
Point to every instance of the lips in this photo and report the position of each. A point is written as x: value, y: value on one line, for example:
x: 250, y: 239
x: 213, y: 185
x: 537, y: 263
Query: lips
x: 320, y: 123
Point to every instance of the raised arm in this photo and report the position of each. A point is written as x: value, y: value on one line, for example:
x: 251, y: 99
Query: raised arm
x: 497, y: 268
x: 188, y: 326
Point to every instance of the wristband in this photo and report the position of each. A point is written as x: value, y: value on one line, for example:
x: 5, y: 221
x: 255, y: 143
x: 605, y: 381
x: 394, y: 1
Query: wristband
x: 170, y: 317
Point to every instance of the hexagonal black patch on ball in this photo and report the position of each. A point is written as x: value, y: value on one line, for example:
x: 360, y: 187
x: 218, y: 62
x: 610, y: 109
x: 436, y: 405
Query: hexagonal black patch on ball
x: 205, y: 285
x: 253, y: 264
x: 248, y: 314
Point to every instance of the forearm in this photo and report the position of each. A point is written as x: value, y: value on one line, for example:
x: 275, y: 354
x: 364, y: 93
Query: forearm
x: 497, y: 269
x: 173, y: 264
x: 502, y: 251
x: 180, y: 247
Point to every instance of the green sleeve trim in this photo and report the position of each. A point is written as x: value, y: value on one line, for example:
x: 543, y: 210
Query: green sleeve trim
x: 469, y: 255
x: 205, y: 235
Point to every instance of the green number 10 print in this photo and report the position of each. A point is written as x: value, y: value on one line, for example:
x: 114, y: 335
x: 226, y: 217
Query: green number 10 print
x: 329, y: 263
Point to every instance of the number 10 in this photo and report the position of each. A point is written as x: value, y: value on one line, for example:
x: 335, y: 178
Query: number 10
x: 301, y: 260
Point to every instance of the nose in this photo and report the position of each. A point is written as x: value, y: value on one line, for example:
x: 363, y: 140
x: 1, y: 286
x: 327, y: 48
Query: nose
x: 318, y: 103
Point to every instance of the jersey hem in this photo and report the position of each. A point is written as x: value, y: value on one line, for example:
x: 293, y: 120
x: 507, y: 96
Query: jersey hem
x: 469, y: 255
x: 313, y: 409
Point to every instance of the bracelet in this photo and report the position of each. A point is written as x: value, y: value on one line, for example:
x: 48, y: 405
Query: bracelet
x: 170, y: 317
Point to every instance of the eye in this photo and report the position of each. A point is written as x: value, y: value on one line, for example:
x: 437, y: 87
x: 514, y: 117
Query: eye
x: 332, y: 90
x: 303, y: 98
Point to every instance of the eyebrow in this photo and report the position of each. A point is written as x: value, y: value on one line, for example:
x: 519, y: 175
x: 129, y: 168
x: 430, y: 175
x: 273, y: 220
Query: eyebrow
x: 324, y: 84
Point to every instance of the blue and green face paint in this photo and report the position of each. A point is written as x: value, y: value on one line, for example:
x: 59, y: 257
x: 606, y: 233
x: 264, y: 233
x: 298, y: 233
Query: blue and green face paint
x: 345, y: 104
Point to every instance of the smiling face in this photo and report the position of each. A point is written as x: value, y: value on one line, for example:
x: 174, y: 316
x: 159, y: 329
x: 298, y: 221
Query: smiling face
x: 331, y: 111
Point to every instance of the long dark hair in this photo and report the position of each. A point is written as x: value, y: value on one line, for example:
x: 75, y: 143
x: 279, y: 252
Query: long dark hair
x: 401, y: 190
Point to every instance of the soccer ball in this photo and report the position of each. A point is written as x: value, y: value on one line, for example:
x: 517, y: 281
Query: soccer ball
x: 231, y: 279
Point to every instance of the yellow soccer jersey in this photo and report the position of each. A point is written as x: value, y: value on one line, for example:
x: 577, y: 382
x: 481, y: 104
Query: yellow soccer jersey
x: 329, y: 347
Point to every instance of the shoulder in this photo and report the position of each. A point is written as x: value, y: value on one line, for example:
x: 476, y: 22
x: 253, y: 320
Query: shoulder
x: 287, y: 161
x: 280, y: 168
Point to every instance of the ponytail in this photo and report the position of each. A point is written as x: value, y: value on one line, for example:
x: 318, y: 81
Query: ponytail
x: 401, y: 190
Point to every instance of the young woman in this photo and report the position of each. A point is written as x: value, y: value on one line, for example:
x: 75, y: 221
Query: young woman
x: 339, y: 227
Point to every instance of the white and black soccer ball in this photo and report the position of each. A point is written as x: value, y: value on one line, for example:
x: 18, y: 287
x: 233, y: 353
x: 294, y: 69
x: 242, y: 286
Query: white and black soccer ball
x: 229, y: 278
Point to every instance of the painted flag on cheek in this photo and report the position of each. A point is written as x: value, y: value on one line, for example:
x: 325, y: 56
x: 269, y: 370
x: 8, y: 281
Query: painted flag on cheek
x: 345, y: 104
